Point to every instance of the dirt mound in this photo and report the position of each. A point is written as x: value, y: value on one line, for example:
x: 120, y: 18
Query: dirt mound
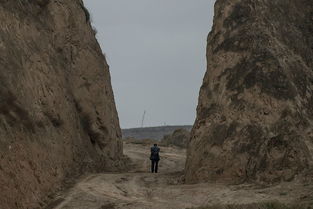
x: 57, y: 112
x: 179, y: 137
x: 254, y: 117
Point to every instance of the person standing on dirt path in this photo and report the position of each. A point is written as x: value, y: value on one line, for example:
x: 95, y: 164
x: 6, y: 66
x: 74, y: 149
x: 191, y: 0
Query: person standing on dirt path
x: 154, y: 157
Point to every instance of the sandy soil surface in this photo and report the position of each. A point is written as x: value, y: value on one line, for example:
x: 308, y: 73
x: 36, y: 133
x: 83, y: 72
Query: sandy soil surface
x: 143, y: 190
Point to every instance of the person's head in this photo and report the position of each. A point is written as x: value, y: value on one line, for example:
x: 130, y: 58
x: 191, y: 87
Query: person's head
x: 155, y: 145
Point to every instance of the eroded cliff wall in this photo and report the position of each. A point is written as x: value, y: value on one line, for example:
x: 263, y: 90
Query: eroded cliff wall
x: 57, y: 110
x: 255, y: 111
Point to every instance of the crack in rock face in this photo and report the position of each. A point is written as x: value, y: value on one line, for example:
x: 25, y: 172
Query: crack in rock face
x: 255, y: 111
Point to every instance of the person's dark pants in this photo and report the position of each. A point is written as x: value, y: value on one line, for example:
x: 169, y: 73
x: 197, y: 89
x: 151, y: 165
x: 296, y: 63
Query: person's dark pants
x: 154, y: 166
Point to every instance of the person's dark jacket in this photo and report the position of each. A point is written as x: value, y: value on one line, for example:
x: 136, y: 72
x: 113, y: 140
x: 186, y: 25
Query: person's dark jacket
x: 155, y: 153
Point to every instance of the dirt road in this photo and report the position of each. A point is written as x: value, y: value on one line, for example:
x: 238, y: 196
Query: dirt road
x: 143, y: 190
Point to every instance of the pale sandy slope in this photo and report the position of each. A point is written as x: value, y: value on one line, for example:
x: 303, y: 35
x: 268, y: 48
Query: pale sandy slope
x: 140, y: 189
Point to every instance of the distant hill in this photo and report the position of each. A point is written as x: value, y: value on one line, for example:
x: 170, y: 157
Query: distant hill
x: 152, y: 132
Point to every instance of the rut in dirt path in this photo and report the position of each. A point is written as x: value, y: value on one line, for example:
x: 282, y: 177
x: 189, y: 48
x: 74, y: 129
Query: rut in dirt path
x: 140, y: 189
x: 136, y: 189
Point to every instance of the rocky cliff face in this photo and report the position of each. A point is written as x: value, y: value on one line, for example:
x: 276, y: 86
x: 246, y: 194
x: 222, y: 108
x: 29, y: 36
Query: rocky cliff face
x: 57, y: 111
x: 255, y: 111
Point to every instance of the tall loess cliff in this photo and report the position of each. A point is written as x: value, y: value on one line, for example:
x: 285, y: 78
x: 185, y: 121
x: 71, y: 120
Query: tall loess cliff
x: 255, y: 112
x: 57, y: 110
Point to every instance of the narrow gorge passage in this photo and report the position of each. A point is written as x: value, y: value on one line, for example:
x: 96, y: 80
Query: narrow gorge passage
x: 59, y: 123
x: 140, y: 189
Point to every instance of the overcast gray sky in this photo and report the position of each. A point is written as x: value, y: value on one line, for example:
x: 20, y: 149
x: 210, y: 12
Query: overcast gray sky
x: 156, y: 53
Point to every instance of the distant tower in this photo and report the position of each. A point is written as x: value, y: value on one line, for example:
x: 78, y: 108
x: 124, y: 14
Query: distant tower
x: 143, y: 119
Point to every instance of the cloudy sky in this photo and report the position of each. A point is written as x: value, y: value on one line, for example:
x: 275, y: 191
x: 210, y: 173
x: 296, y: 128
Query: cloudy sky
x: 156, y: 53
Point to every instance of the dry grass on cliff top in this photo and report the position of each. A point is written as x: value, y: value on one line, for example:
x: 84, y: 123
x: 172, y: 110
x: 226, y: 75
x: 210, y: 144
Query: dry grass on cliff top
x: 271, y: 205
